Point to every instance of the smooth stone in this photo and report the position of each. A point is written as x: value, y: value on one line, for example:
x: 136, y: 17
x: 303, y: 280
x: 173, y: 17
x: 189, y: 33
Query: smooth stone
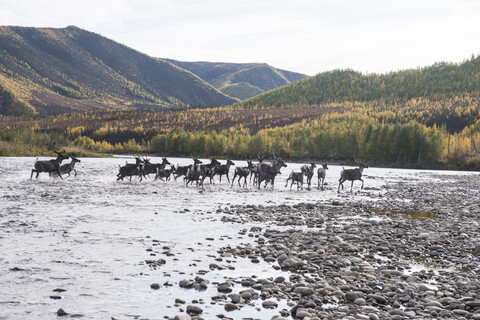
x: 352, y: 295
x: 191, y: 309
x: 377, y: 298
x: 246, y: 295
x: 473, y: 304
x: 225, y: 288
x: 182, y: 317
x: 301, y: 314
x: 231, y: 307
x: 434, y: 303
x: 236, y: 298
x: 186, y: 284
x: 61, y: 312
x: 427, y: 287
x: 373, y: 316
x: 269, y: 304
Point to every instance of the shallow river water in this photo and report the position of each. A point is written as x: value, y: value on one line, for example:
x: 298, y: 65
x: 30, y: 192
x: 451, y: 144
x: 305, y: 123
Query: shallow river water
x: 91, y: 235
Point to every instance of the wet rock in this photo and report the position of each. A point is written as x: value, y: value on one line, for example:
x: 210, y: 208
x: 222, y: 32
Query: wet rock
x: 351, y: 296
x: 269, y: 304
x: 473, y: 304
x: 246, y: 295
x: 434, y: 303
x: 194, y: 310
x: 61, y: 313
x: 379, y: 299
x: 292, y: 263
x: 224, y: 288
x: 182, y: 317
x: 155, y: 286
x: 187, y: 284
x: 236, y: 298
x: 231, y: 307
x: 304, y: 291
x: 302, y: 314
x: 427, y: 287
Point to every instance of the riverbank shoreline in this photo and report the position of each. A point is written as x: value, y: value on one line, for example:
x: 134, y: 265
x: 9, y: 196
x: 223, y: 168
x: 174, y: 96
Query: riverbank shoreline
x: 410, y: 253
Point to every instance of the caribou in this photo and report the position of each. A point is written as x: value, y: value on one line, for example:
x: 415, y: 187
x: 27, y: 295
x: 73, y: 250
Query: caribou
x: 131, y: 169
x: 149, y: 168
x: 69, y: 167
x: 296, y: 177
x: 223, y: 169
x: 243, y: 172
x: 200, y: 172
x: 182, y: 170
x: 351, y: 175
x: 308, y: 171
x: 165, y: 173
x: 50, y: 166
x: 254, y: 169
x: 268, y: 171
x: 321, y: 173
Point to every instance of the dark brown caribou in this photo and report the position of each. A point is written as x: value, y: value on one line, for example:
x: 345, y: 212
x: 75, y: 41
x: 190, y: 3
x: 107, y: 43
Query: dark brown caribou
x: 243, y: 172
x: 352, y: 175
x: 149, y: 168
x: 182, y: 170
x: 131, y: 169
x: 165, y: 173
x: 267, y: 171
x: 223, y: 169
x: 69, y: 167
x: 49, y: 166
x: 200, y: 172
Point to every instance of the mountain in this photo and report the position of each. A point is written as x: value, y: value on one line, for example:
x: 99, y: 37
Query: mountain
x: 50, y: 70
x: 240, y: 80
x: 439, y: 81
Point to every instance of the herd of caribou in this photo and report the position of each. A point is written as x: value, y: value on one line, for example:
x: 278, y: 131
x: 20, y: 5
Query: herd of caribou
x: 264, y: 171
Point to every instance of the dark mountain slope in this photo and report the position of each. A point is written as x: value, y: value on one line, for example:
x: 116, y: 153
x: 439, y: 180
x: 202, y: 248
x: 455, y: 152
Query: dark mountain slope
x: 240, y: 80
x: 70, y: 69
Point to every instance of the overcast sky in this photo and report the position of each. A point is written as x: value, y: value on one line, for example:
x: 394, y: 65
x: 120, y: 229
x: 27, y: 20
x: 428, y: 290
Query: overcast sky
x: 307, y: 36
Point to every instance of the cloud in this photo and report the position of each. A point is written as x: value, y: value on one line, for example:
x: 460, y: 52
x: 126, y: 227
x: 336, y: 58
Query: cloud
x: 304, y: 35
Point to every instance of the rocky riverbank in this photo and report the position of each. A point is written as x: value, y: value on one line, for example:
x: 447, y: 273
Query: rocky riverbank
x: 411, y: 252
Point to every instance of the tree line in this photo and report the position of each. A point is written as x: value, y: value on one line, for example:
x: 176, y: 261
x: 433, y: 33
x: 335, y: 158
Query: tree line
x: 336, y: 136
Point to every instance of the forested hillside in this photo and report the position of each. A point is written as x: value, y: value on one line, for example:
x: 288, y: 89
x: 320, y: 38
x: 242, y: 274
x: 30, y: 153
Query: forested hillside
x: 49, y: 70
x: 240, y: 80
x: 442, y: 80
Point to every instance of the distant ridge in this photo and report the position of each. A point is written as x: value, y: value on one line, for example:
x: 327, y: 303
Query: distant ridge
x: 56, y: 70
x: 240, y: 80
